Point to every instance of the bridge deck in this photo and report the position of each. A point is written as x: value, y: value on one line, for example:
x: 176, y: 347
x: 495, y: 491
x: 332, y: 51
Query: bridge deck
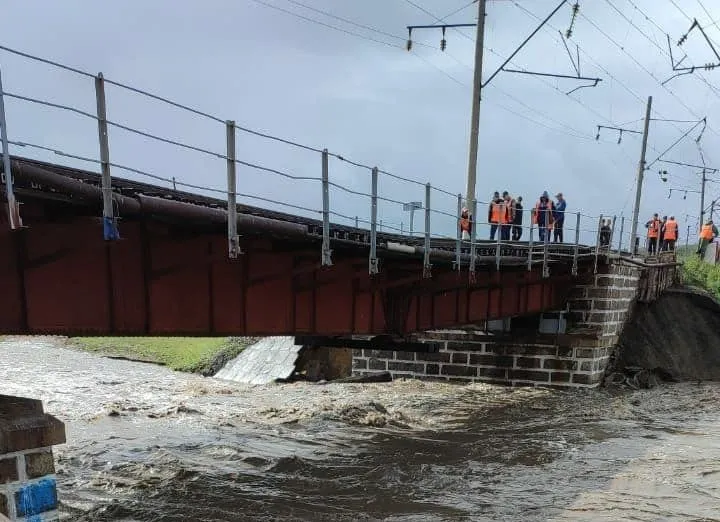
x: 170, y: 273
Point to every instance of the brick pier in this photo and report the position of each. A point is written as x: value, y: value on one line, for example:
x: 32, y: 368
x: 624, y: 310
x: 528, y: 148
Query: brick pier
x: 568, y: 348
x: 27, y: 468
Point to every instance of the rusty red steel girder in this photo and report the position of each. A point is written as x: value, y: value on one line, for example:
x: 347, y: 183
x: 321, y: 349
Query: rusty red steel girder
x: 170, y: 275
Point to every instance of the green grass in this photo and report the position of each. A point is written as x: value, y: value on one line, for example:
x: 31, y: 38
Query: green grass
x: 700, y: 274
x: 189, y: 354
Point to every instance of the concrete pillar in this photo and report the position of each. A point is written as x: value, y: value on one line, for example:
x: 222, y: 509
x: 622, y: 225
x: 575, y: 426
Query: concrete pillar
x: 27, y: 468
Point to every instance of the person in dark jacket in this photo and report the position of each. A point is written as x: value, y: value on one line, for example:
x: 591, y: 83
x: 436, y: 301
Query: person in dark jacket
x: 662, y: 242
x: 559, y: 218
x: 517, y: 220
x: 542, y: 216
x: 605, y: 233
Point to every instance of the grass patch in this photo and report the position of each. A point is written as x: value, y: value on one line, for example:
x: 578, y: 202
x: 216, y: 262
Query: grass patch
x: 204, y: 355
x: 698, y: 273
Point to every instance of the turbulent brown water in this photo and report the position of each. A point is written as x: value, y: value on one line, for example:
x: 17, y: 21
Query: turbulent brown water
x: 149, y: 444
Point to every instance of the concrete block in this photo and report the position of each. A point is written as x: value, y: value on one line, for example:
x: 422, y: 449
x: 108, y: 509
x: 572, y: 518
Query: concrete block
x: 359, y: 363
x: 527, y: 349
x: 587, y: 353
x: 605, y: 304
x: 560, y: 364
x: 379, y: 354
x: 464, y: 346
x: 499, y: 361
x: 405, y: 366
x: 559, y: 377
x: 432, y: 369
x: 36, y: 497
x: 4, y: 505
x: 8, y: 470
x: 39, y: 464
x: 565, y: 351
x: 443, y: 357
x: 492, y: 373
x: 529, y: 375
x: 459, y: 358
x: 457, y: 370
x: 22, y: 433
x: 581, y: 304
x: 405, y: 356
x: 377, y: 364
x: 528, y: 362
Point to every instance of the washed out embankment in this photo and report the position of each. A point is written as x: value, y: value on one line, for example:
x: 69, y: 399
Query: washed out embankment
x: 203, y: 355
x: 677, y: 337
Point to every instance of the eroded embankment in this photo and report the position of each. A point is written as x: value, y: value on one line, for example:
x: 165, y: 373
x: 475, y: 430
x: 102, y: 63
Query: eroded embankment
x: 678, y: 336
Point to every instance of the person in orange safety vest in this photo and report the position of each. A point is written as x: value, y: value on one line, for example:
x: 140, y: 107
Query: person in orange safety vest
x: 653, y: 234
x: 465, y: 223
x: 707, y: 233
x: 671, y: 234
x: 507, y: 216
x: 496, y: 212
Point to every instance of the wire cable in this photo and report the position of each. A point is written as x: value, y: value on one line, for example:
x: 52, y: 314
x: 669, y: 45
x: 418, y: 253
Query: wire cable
x: 49, y: 104
x: 54, y: 151
x: 351, y: 22
x: 312, y: 20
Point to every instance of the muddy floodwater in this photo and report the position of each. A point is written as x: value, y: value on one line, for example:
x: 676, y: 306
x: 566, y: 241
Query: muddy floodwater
x: 149, y: 444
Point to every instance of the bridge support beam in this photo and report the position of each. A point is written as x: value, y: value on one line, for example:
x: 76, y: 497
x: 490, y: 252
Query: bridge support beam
x: 380, y: 342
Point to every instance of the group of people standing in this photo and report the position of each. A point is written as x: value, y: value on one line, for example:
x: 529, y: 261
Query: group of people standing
x: 662, y: 234
x: 505, y: 216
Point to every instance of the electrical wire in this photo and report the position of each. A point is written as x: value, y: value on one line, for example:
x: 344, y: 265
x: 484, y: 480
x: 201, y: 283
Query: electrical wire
x: 351, y: 22
x: 169, y: 141
x: 54, y: 151
x: 662, y: 50
x: 195, y: 111
x: 456, y: 11
x: 330, y: 26
x: 640, y: 65
x: 673, y: 145
x: 576, y: 133
x: 49, y: 104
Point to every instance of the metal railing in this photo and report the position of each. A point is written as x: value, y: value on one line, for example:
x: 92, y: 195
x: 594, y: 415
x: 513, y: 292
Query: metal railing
x: 336, y: 191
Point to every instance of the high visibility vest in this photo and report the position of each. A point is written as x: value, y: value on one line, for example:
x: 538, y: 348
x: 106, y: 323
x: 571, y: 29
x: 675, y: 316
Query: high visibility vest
x: 510, y: 211
x: 548, y: 210
x: 465, y: 225
x: 671, y: 230
x: 496, y: 212
x: 654, y: 229
x: 706, y: 232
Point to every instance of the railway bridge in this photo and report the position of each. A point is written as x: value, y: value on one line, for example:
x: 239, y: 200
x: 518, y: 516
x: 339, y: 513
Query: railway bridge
x: 170, y: 272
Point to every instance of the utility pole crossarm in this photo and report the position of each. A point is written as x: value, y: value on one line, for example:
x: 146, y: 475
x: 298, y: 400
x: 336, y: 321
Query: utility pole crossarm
x: 537, y: 29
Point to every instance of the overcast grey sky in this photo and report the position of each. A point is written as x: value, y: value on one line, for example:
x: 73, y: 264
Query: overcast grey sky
x: 408, y: 113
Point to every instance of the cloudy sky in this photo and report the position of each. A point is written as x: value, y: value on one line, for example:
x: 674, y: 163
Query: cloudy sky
x: 286, y: 68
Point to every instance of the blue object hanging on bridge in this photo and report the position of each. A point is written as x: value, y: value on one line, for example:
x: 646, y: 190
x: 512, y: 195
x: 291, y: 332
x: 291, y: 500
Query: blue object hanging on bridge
x: 110, y: 230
